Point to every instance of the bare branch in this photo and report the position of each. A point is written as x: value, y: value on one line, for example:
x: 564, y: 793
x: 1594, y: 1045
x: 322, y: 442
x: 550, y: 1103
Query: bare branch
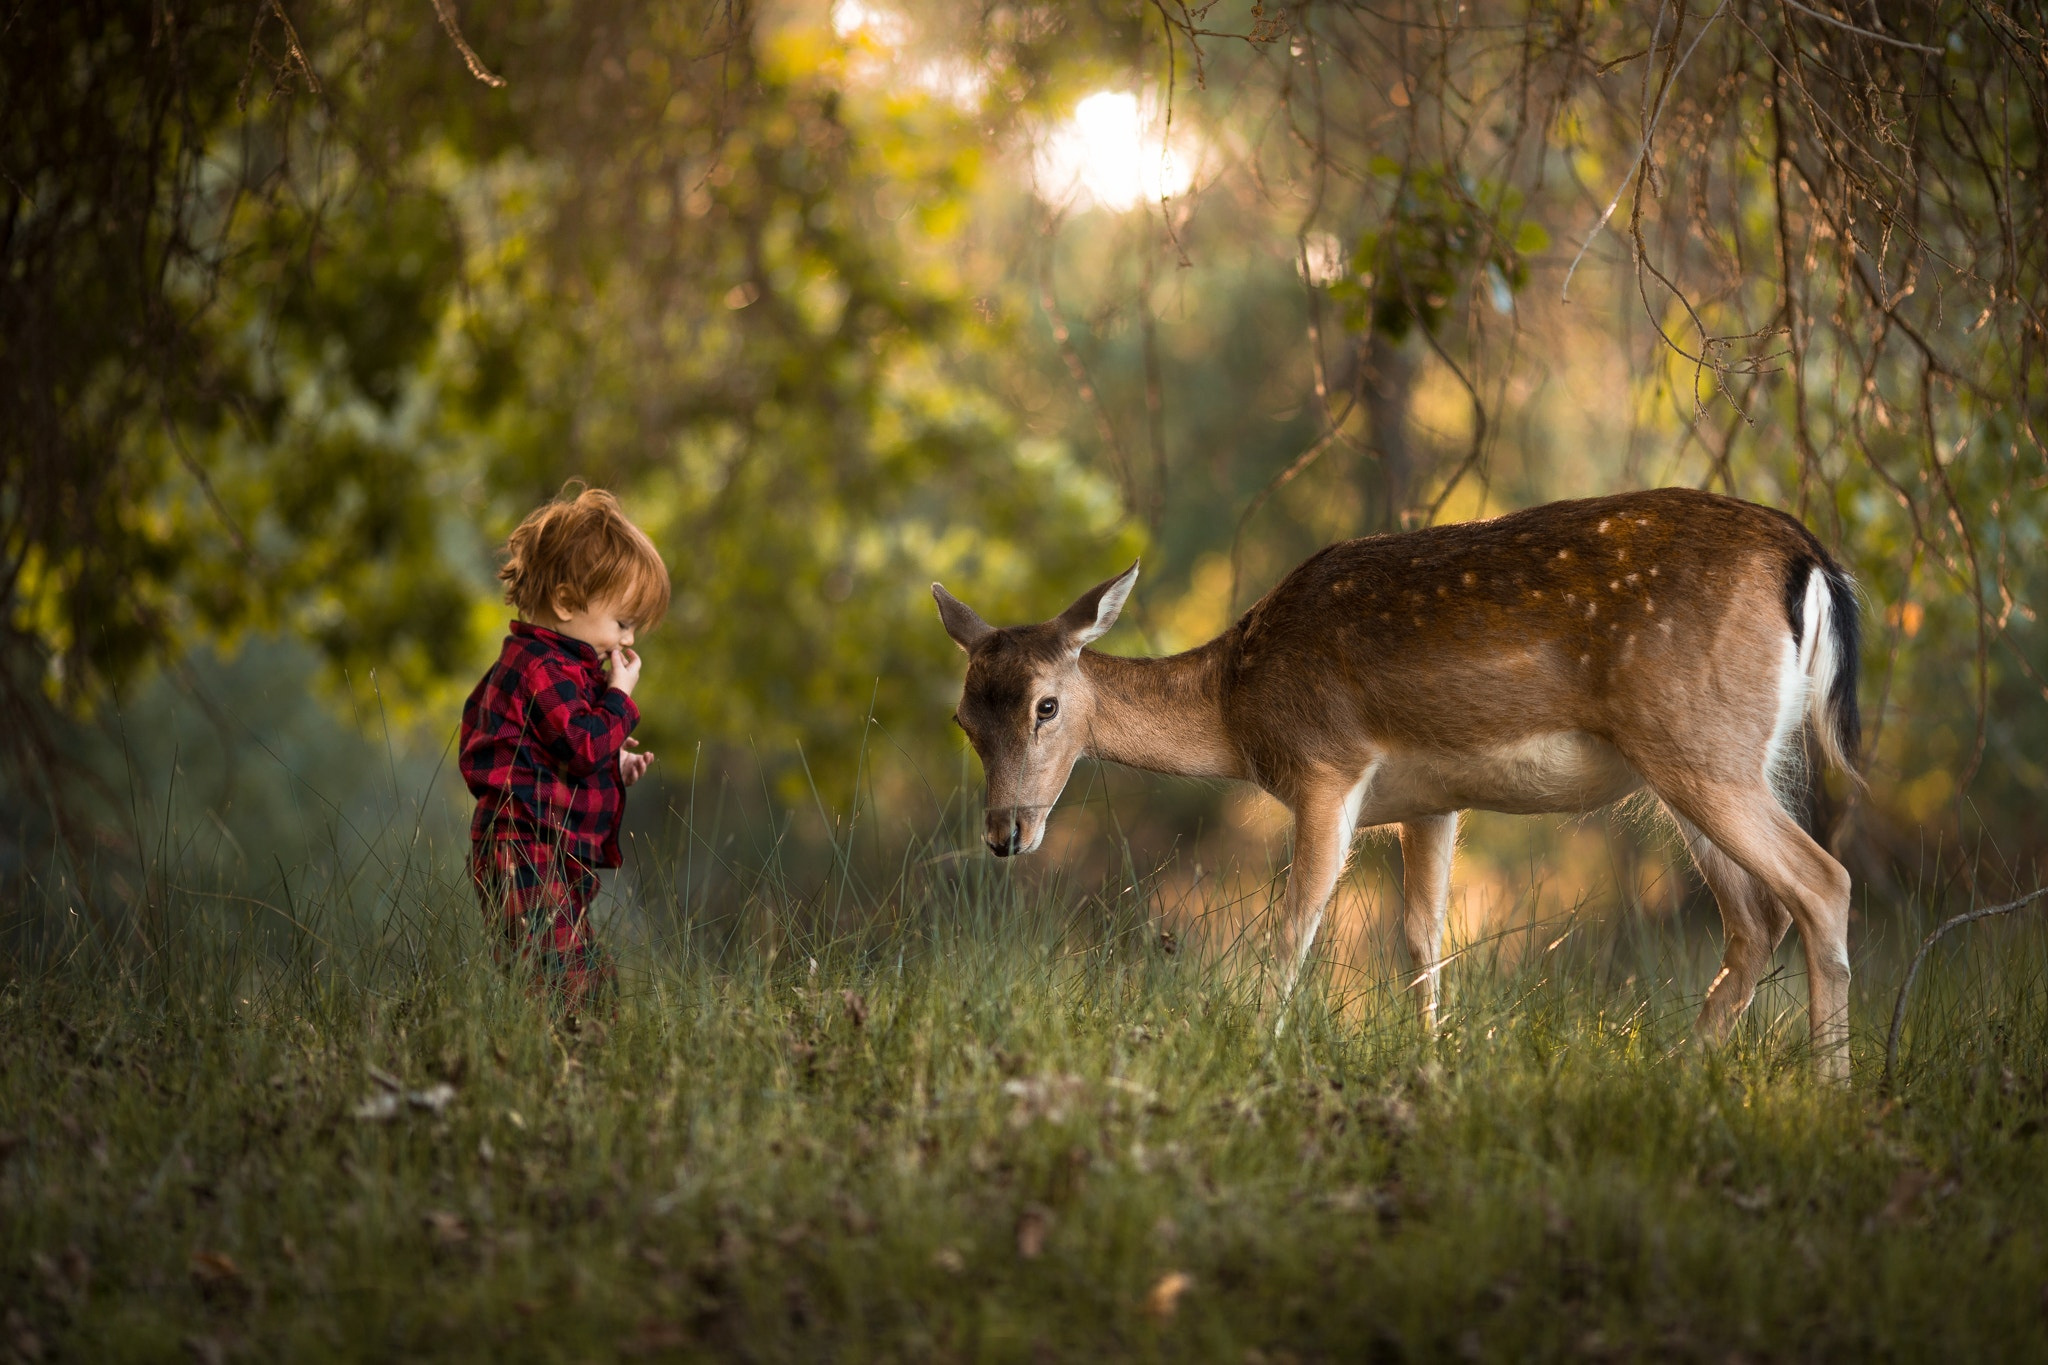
x: 1891, y: 1042
x: 1861, y: 32
x: 446, y: 10
x: 1642, y: 152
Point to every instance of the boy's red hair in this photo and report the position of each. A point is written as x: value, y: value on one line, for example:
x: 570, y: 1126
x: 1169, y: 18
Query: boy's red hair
x: 581, y: 549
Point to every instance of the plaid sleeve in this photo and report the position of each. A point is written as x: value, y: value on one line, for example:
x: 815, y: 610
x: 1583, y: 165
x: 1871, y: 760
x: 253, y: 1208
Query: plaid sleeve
x: 577, y: 736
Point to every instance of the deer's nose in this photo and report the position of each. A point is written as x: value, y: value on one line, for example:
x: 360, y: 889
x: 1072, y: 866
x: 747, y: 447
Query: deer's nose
x: 1005, y: 833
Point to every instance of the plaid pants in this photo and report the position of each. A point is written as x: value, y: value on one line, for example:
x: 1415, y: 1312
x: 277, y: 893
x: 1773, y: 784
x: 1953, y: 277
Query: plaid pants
x: 536, y: 900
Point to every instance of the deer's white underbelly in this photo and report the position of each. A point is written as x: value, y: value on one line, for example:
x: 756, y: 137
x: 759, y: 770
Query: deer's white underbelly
x: 1566, y: 770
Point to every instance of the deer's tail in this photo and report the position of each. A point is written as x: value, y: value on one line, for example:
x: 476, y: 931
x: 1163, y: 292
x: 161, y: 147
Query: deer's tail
x: 1820, y: 599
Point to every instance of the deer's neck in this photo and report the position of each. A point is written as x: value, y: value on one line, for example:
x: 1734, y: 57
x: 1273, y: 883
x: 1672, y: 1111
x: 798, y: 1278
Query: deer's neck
x: 1163, y: 715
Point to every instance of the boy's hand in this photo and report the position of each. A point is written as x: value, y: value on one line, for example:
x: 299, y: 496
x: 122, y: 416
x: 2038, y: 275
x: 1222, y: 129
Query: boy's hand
x: 625, y: 670
x: 632, y: 765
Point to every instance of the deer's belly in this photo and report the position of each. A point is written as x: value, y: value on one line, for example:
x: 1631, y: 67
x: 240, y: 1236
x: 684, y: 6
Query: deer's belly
x: 1566, y: 770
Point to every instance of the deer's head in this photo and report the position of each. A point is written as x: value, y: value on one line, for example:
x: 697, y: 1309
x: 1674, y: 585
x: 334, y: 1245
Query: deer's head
x: 1027, y: 705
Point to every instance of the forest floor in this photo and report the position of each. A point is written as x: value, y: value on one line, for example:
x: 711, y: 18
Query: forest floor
x: 1003, y: 1132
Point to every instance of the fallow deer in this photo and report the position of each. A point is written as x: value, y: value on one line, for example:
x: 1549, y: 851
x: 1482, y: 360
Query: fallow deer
x: 1551, y: 660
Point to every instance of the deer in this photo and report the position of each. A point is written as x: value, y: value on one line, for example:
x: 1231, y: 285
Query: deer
x: 1552, y: 660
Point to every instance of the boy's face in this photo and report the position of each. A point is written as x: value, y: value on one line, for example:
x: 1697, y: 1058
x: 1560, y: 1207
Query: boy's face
x: 599, y: 623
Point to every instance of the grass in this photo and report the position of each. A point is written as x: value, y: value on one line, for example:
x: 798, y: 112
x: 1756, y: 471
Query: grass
x: 994, y: 1123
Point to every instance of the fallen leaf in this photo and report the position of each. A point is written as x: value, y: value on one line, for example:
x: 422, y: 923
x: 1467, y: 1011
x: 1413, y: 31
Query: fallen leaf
x: 64, y: 1279
x: 511, y: 1242
x: 384, y: 1078
x: 447, y: 1229
x: 1911, y: 1183
x: 1032, y: 1226
x: 1395, y: 1115
x: 22, y: 1337
x: 1164, y: 1299
x: 1352, y: 1199
x: 379, y: 1108
x: 1141, y: 1094
x: 434, y: 1099
x: 214, y: 1267
x: 655, y: 1335
x: 1043, y: 1097
x: 76, y: 1270
x: 857, y: 1221
x: 949, y: 1260
x: 1756, y: 1201
x: 216, y: 1276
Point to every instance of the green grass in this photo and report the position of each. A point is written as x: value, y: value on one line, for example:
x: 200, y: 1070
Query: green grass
x: 764, y: 1159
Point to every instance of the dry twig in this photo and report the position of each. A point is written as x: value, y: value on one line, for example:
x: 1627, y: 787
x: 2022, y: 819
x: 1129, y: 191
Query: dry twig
x: 1891, y: 1042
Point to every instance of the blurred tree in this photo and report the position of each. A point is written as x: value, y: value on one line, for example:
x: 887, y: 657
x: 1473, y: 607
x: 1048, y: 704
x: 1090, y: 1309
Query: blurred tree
x: 301, y: 317
x: 300, y: 322
x: 1813, y: 235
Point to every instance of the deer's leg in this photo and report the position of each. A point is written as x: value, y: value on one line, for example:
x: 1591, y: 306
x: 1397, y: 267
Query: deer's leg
x: 1324, y: 820
x: 1747, y: 823
x: 1753, y: 923
x: 1426, y: 848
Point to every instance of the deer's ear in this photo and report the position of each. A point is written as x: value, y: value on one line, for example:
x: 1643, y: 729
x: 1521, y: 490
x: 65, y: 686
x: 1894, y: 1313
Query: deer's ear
x: 967, y: 629
x: 1095, y: 610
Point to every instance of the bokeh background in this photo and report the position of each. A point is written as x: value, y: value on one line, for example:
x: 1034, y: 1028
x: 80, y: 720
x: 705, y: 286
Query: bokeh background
x: 307, y: 306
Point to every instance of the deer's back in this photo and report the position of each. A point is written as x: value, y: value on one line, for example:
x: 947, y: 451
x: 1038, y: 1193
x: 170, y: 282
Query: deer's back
x: 1573, y: 616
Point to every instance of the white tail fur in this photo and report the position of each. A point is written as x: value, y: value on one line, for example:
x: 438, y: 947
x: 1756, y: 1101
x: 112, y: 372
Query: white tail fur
x: 1820, y: 659
x: 1806, y: 695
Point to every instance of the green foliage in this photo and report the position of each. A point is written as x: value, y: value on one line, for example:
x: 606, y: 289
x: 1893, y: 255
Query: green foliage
x: 345, y: 313
x: 652, y: 260
x: 1440, y: 232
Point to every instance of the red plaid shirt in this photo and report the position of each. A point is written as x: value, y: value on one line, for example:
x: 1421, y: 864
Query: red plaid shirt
x: 541, y: 736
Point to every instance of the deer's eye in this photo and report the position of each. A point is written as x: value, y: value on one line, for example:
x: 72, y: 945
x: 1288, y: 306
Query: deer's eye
x: 1048, y: 707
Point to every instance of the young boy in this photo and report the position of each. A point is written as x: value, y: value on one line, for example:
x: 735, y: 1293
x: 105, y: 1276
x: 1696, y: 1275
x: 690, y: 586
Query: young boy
x: 545, y: 745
